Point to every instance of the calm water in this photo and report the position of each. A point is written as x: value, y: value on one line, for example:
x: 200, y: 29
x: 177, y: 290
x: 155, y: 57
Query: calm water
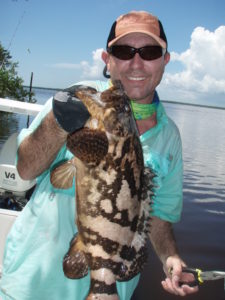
x: 201, y: 233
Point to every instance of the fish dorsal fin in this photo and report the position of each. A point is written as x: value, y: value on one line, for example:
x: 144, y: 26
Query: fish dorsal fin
x: 62, y: 176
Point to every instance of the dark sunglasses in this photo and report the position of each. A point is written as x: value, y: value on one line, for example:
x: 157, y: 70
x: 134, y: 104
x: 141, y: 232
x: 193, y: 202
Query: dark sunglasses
x: 125, y: 52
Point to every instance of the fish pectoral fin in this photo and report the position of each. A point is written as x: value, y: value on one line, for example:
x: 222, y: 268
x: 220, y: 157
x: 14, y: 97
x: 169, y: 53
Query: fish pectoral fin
x: 91, y: 145
x: 62, y: 176
x: 74, y: 263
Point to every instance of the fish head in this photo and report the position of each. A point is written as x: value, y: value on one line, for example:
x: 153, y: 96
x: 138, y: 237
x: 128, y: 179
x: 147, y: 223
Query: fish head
x: 118, y: 116
x: 110, y: 110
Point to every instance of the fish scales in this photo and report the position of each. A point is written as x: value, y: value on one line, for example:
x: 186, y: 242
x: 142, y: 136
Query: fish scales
x: 113, y: 194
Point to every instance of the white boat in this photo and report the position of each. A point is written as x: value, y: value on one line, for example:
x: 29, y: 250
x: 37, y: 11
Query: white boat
x: 12, y: 186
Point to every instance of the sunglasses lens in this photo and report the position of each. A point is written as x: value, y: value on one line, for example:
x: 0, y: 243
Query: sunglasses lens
x: 150, y: 52
x: 122, y: 52
x: 126, y: 52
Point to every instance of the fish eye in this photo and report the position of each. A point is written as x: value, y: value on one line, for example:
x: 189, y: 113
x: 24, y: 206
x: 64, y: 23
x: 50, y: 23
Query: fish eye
x: 127, y: 108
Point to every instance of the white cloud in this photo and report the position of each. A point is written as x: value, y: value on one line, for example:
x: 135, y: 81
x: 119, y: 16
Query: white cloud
x: 203, y: 74
x: 66, y: 66
x: 93, y: 70
x: 87, y: 70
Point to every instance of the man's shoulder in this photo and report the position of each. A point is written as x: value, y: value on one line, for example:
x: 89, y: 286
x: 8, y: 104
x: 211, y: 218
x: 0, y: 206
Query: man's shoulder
x: 167, y: 123
x: 170, y: 130
x: 172, y: 126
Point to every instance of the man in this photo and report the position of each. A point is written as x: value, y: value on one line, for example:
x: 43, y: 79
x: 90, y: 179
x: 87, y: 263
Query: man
x: 136, y: 54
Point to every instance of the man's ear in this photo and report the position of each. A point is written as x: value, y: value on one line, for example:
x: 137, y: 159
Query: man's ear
x: 105, y: 57
x: 166, y: 58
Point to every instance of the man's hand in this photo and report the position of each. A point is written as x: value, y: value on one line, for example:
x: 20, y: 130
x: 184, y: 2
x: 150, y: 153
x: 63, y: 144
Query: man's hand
x: 70, y: 113
x: 163, y: 241
x: 173, y: 270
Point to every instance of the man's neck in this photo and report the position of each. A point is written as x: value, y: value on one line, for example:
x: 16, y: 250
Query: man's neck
x: 146, y: 124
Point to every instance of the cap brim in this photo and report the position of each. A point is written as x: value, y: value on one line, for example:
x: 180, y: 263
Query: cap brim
x: 160, y: 41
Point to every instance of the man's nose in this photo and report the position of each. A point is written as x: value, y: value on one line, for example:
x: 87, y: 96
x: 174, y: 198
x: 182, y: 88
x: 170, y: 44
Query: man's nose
x: 136, y: 61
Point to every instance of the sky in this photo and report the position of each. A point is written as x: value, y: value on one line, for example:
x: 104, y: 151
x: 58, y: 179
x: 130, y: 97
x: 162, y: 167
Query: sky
x: 61, y: 42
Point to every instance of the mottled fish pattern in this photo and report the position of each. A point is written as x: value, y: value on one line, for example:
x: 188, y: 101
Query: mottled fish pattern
x: 113, y: 194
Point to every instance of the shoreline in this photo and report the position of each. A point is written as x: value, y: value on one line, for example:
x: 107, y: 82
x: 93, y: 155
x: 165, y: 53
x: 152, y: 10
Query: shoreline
x: 165, y: 101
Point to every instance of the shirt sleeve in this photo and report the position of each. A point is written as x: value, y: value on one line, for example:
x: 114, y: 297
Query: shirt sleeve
x: 36, y: 122
x: 168, y: 198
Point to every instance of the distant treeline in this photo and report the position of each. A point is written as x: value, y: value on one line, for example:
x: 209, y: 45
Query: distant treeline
x: 42, y: 88
x: 166, y: 101
x: 192, y: 104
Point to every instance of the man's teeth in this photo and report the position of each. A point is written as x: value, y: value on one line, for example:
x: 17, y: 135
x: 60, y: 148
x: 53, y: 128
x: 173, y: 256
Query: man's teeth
x: 136, y: 78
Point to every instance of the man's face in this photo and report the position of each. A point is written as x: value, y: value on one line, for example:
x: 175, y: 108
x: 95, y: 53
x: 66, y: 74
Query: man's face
x: 139, y: 77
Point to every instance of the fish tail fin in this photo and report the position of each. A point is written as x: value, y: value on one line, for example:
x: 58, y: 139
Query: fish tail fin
x: 94, y: 296
x: 62, y: 176
x: 75, y: 265
x: 103, y: 285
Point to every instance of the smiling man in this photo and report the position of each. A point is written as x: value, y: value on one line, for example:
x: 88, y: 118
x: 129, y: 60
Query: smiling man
x: 136, y: 54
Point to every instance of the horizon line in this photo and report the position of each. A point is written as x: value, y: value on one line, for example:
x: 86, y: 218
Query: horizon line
x: 163, y: 100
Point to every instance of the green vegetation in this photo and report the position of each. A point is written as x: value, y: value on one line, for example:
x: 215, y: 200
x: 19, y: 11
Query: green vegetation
x: 11, y: 85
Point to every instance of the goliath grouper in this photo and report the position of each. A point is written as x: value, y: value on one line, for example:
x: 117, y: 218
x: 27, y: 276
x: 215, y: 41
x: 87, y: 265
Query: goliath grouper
x: 113, y: 194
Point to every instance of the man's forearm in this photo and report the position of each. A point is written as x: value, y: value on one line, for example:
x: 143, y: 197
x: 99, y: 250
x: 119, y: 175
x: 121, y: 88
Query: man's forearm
x: 39, y: 149
x: 162, y: 239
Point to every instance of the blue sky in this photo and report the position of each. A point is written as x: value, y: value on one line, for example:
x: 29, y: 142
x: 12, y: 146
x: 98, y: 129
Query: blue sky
x: 60, y: 41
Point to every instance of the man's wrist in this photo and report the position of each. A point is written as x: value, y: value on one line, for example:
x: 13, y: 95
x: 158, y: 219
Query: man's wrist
x: 54, y: 126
